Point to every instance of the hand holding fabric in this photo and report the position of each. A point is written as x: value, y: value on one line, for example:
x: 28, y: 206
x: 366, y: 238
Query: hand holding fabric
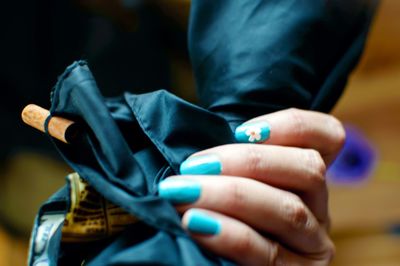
x: 263, y: 204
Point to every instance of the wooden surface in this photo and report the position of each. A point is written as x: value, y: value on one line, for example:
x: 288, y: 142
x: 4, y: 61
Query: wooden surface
x: 28, y: 181
x: 13, y: 251
x: 363, y: 214
x: 35, y: 116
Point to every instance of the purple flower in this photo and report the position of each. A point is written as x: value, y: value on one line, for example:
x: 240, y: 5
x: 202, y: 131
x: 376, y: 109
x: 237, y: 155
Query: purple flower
x: 356, y: 161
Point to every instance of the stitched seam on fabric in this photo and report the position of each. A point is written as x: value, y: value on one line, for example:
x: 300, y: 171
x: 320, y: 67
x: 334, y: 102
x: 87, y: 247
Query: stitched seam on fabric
x: 141, y: 124
x: 150, y: 135
x: 146, y: 218
x: 124, y: 186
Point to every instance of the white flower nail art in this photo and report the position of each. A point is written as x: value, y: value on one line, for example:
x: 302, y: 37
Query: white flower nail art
x: 254, y: 133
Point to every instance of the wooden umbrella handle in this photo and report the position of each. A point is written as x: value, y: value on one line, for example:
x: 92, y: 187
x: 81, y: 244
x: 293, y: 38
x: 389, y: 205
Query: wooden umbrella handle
x: 58, y: 127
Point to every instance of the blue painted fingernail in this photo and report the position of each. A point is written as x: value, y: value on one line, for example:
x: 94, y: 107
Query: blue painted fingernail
x: 253, y: 132
x: 199, y: 222
x: 201, y: 165
x: 179, y: 190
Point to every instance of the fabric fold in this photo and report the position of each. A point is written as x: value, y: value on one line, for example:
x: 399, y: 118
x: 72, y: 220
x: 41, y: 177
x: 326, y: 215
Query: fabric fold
x: 256, y: 57
x: 249, y: 58
x: 127, y: 145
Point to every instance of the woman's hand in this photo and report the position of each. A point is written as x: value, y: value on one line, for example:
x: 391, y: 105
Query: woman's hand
x: 263, y: 204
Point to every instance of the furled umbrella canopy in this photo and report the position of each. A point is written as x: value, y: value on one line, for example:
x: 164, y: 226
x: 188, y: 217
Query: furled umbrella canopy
x: 249, y: 58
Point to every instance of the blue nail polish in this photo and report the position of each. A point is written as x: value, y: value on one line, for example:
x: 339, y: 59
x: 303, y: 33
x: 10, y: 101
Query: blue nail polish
x: 199, y: 222
x: 201, y: 165
x: 253, y: 132
x: 179, y: 190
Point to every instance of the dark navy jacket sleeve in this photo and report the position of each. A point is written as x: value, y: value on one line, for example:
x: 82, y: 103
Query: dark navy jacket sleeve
x: 255, y: 57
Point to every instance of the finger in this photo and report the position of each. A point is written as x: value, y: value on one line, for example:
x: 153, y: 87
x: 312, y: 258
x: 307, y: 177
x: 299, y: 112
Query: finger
x: 236, y: 241
x: 295, y: 169
x: 265, y: 208
x: 297, y: 128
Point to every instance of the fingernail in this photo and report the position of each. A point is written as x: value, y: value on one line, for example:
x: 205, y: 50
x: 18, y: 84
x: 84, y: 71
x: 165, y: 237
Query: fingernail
x: 179, y: 190
x: 201, y: 165
x: 253, y: 132
x: 199, y: 222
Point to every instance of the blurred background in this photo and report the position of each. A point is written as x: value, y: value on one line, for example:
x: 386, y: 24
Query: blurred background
x: 366, y: 212
x: 131, y: 47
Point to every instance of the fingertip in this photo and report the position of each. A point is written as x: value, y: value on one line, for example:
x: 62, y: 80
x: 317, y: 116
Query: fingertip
x: 253, y: 132
x: 206, y: 164
x: 227, y: 237
x: 200, y: 222
x: 179, y: 190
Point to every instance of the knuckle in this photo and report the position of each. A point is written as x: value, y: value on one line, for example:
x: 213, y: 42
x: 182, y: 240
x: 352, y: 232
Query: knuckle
x: 255, y: 162
x: 273, y: 257
x: 295, y: 212
x: 331, y: 251
x: 235, y: 196
x: 340, y: 133
x: 297, y: 118
x: 244, y: 242
x: 316, y: 167
x: 328, y: 221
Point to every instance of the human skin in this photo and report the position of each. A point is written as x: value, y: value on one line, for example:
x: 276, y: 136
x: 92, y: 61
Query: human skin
x: 271, y: 198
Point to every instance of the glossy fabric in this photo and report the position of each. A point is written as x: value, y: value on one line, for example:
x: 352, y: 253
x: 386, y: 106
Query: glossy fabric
x: 126, y: 146
x: 254, y: 57
x: 250, y: 58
